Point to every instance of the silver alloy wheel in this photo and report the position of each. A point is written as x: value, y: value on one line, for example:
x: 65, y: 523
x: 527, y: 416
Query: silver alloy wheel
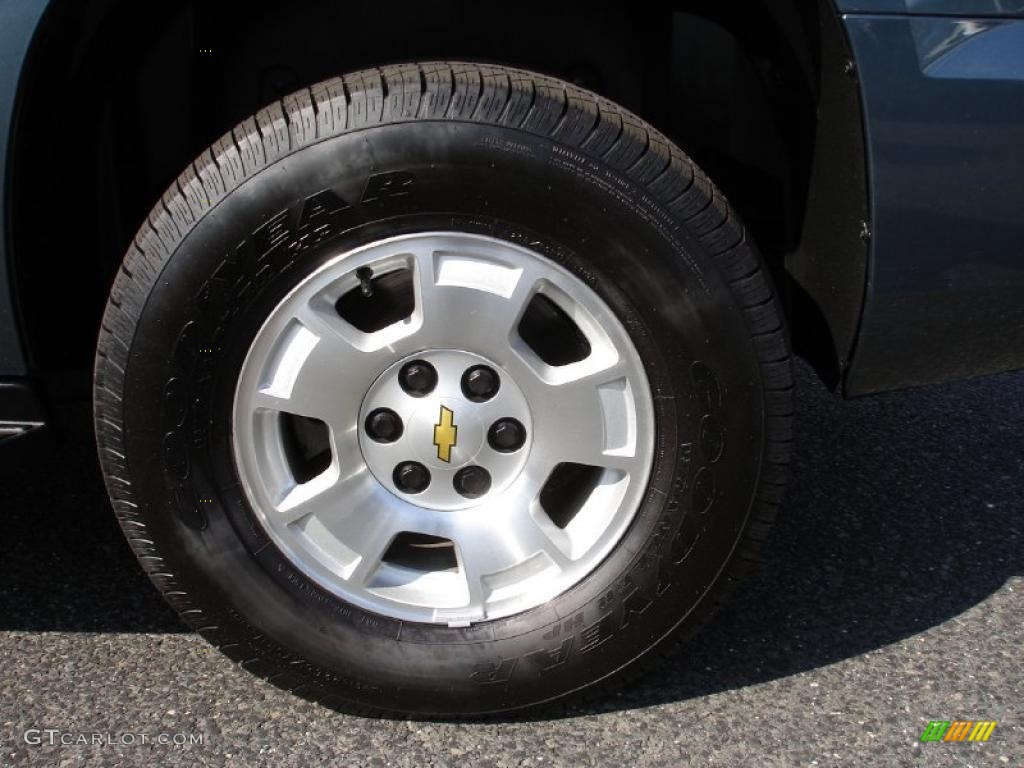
x: 341, y: 526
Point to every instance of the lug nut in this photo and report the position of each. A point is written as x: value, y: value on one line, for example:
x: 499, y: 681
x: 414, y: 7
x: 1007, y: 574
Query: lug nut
x: 384, y: 425
x: 506, y: 435
x: 472, y: 482
x: 480, y: 383
x: 411, y: 477
x: 418, y: 378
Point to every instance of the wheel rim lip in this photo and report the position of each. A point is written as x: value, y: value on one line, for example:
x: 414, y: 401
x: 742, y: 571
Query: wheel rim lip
x: 324, y: 573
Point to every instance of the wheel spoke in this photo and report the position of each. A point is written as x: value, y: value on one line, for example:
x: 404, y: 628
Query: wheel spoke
x: 570, y: 423
x: 591, y: 454
x: 328, y: 496
x: 368, y: 525
x: 473, y: 565
x: 370, y: 539
x: 481, y: 552
x: 319, y: 369
x: 466, y: 309
x: 513, y: 536
x: 536, y: 533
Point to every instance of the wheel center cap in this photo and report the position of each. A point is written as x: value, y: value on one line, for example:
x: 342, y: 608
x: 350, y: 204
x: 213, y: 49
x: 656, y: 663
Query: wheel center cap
x: 447, y: 402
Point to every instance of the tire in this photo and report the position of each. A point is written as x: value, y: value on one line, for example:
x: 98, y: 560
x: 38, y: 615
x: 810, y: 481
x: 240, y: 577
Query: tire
x: 495, y: 157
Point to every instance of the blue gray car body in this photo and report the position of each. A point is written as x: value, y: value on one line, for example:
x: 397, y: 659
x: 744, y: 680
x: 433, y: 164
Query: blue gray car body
x: 929, y: 288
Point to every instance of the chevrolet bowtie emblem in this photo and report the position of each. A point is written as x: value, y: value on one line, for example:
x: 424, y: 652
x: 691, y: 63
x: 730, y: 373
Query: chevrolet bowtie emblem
x: 445, y: 434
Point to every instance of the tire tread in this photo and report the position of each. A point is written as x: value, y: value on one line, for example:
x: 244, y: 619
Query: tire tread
x: 440, y: 91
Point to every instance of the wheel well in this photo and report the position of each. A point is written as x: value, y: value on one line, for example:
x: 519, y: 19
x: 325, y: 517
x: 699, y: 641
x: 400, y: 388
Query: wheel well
x: 119, y: 97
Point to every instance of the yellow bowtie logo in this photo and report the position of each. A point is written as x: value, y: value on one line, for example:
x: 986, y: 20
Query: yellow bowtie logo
x: 445, y: 434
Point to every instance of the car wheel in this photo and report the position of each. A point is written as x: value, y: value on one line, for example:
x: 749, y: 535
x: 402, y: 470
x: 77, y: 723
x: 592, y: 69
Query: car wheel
x: 443, y: 389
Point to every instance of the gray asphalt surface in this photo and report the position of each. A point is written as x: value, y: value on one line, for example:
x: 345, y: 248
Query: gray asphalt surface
x: 892, y: 595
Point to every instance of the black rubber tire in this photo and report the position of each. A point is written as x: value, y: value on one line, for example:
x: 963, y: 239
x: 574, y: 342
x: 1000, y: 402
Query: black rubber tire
x: 408, y: 148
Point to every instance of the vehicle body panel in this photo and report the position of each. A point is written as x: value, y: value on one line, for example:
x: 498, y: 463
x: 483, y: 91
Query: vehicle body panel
x: 943, y: 102
x: 18, y: 22
x: 962, y: 8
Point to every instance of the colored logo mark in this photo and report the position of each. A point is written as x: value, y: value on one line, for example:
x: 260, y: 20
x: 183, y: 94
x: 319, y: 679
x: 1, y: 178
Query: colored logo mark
x: 958, y: 730
x: 445, y: 434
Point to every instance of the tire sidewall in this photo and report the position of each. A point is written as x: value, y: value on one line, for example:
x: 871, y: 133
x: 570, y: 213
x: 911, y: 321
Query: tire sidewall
x: 233, y: 267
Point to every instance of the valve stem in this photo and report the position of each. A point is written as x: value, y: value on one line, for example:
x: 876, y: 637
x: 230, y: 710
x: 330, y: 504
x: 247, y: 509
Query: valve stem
x: 365, y: 275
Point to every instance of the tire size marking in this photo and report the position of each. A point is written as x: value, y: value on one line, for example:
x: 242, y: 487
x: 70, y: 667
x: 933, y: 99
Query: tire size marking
x: 637, y: 201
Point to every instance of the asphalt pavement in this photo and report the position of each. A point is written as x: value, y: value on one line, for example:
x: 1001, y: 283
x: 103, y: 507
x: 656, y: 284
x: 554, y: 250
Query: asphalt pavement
x: 892, y: 595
